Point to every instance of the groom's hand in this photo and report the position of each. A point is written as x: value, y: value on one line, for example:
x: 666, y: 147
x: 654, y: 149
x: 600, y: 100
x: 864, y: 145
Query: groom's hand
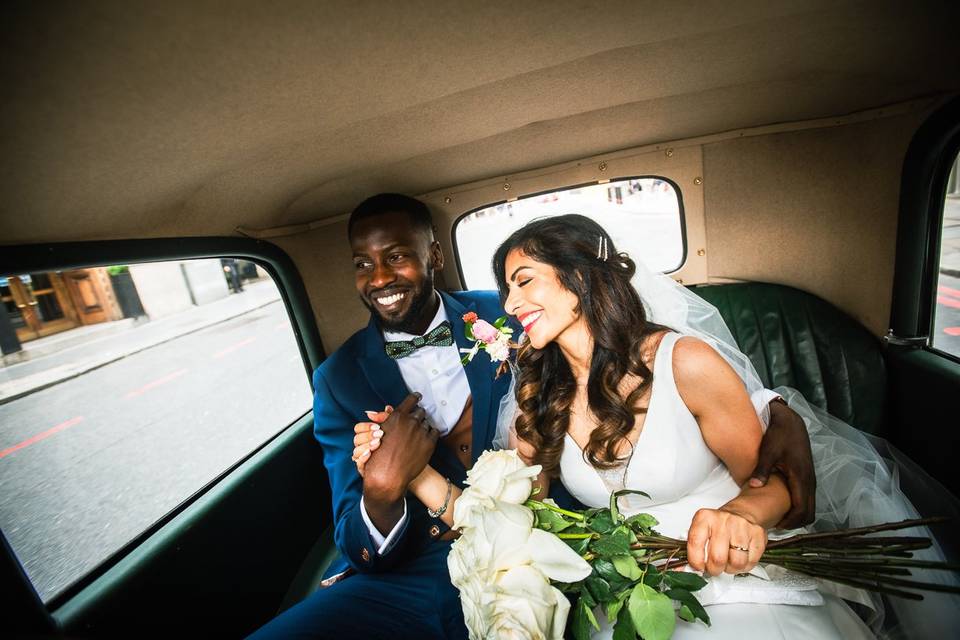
x: 786, y: 448
x: 405, y: 448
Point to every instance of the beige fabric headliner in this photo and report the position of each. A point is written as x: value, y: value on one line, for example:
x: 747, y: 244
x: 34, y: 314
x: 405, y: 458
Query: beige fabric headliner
x: 187, y: 118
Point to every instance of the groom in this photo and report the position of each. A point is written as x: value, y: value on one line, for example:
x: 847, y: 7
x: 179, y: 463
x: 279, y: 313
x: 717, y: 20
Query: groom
x: 391, y: 580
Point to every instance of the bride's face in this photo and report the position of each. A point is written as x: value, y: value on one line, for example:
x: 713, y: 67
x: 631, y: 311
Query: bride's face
x: 538, y: 300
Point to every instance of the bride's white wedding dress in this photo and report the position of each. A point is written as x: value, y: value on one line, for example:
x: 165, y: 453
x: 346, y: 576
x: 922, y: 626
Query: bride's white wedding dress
x: 861, y: 480
x: 672, y: 463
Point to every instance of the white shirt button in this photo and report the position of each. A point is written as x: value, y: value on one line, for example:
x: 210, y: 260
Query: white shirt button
x: 443, y: 402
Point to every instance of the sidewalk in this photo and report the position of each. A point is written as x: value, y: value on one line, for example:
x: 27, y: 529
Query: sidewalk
x: 60, y: 357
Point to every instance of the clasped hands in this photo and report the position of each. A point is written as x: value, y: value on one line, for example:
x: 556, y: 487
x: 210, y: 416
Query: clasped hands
x: 402, y: 456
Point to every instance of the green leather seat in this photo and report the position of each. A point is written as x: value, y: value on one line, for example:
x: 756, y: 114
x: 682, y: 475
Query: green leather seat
x: 799, y: 340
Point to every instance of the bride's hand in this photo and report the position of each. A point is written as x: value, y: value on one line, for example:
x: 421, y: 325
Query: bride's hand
x: 722, y: 540
x: 367, y: 436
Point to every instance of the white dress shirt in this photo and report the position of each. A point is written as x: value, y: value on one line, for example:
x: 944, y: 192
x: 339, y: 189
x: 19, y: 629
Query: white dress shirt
x: 437, y: 375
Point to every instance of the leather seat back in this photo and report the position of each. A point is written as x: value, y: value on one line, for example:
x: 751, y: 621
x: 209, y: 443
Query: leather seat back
x: 799, y: 340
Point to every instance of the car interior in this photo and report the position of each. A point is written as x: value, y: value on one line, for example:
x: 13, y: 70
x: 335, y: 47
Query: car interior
x: 810, y: 144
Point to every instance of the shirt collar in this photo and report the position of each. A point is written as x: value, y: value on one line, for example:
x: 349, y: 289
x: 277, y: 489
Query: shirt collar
x: 441, y: 315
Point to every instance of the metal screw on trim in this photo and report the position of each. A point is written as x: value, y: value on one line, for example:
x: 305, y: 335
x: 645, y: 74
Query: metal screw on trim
x: 698, y: 180
x: 669, y: 153
x: 701, y: 252
x: 506, y: 186
x: 602, y: 166
x: 448, y: 200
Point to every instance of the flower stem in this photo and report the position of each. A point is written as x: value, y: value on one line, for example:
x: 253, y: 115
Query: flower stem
x: 846, y: 533
x: 574, y: 536
x: 547, y: 505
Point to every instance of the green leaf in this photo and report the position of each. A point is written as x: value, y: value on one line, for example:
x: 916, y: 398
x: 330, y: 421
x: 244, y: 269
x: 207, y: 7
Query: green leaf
x: 580, y: 622
x: 468, y: 331
x: 616, y: 543
x: 627, y: 492
x: 579, y: 545
x: 592, y: 618
x: 626, y: 565
x: 599, y: 589
x: 624, y: 629
x: 499, y: 322
x: 652, y: 613
x: 689, y: 601
x: 586, y: 597
x: 602, y: 522
x: 685, y: 580
x: 652, y: 577
x: 686, y: 614
x: 606, y: 570
x: 642, y: 521
x: 551, y: 521
x: 614, y: 606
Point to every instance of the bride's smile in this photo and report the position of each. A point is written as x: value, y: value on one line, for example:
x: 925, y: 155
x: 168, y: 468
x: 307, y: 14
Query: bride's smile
x: 547, y: 310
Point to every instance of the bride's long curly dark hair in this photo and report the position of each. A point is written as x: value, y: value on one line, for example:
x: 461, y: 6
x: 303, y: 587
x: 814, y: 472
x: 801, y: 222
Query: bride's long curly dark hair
x: 617, y: 321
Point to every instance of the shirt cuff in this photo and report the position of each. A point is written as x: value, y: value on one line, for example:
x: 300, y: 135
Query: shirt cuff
x: 767, y: 396
x: 384, y: 544
x: 761, y: 400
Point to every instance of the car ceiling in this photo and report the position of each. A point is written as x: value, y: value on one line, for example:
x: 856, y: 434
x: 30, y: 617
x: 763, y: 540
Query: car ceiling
x: 156, y: 119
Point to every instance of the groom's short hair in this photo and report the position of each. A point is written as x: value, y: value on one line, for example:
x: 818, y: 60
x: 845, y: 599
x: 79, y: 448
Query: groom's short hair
x: 417, y: 211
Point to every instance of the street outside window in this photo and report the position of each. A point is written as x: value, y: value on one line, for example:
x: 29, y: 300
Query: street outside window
x: 642, y: 215
x: 126, y: 389
x: 946, y: 329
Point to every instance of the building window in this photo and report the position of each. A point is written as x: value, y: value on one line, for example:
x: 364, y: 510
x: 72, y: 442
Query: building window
x: 158, y: 378
x: 946, y: 323
x: 644, y: 216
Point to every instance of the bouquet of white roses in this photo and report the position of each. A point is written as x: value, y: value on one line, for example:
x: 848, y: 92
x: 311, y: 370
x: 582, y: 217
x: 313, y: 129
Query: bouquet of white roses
x: 517, y: 557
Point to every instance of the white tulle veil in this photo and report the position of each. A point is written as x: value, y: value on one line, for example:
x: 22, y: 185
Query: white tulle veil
x: 861, y: 479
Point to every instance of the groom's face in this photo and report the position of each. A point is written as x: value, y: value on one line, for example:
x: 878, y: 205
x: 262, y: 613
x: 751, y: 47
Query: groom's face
x: 394, y: 263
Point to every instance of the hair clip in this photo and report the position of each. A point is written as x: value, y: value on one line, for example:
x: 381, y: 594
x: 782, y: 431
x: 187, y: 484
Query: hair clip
x: 602, y: 248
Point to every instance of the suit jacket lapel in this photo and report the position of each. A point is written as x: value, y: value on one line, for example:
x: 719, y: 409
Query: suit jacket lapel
x: 480, y: 374
x: 381, y: 370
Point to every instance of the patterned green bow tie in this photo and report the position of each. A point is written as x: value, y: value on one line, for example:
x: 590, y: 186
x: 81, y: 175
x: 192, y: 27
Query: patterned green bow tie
x: 439, y: 336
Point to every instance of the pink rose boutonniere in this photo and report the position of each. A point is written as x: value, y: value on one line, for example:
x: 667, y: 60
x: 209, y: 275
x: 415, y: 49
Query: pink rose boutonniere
x: 494, y: 338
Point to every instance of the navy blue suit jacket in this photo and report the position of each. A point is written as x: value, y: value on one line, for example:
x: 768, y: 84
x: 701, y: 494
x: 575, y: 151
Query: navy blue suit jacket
x: 359, y: 377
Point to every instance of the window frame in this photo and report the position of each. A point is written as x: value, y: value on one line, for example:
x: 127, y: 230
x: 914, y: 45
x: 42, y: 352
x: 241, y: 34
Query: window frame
x: 281, y: 269
x: 926, y: 168
x: 526, y: 196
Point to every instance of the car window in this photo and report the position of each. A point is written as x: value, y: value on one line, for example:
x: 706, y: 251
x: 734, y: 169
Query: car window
x: 946, y: 329
x: 644, y: 216
x: 127, y: 389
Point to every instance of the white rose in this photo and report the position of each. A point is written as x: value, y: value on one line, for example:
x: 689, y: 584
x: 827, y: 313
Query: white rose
x: 507, y: 532
x: 526, y: 607
x: 555, y: 558
x: 502, y: 475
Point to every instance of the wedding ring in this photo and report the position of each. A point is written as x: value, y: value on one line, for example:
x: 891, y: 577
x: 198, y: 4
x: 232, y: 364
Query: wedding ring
x: 739, y: 548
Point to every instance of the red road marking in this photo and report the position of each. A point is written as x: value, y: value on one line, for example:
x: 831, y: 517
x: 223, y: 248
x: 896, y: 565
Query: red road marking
x: 952, y: 331
x: 948, y: 302
x: 156, y: 383
x: 947, y: 290
x: 42, y: 436
x: 243, y: 343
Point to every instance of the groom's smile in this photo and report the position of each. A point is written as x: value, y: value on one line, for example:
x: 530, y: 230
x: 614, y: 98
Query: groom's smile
x: 394, y: 264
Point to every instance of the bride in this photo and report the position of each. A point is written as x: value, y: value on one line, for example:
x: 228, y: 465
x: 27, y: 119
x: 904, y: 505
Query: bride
x: 627, y: 380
